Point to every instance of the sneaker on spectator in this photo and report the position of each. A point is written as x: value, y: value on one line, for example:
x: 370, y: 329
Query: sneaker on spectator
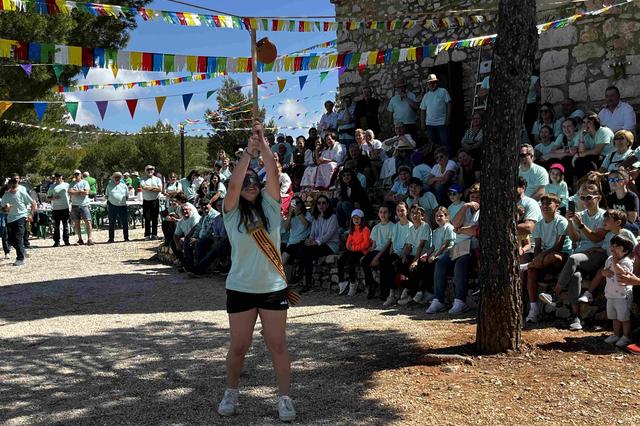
x: 18, y: 262
x: 418, y: 297
x: 458, y: 307
x: 524, y: 267
x: 435, y: 307
x: 229, y: 404
x: 612, y: 340
x: 391, y: 300
x: 90, y: 242
x: 586, y: 297
x: 426, y: 297
x: 532, y: 317
x: 353, y: 288
x: 633, y: 349
x: 147, y: 237
x: 405, y: 297
x: 575, y: 324
x: 286, y: 412
x: 623, y: 342
x: 547, y: 299
x: 343, y: 287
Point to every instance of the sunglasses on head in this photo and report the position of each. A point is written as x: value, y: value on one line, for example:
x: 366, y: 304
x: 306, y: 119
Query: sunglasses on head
x: 587, y: 197
x: 250, y: 180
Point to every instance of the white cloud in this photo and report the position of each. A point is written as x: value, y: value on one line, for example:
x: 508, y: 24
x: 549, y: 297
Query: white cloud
x: 292, y: 113
x: 87, y: 114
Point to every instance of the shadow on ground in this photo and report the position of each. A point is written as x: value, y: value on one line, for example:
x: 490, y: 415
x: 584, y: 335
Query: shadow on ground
x: 173, y: 373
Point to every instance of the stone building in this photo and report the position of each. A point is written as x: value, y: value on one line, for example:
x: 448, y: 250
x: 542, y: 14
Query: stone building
x: 577, y: 61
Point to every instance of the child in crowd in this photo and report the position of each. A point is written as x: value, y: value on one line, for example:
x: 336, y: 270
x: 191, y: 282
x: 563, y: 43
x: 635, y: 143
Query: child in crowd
x: 558, y: 186
x: 619, y: 296
x: 614, y: 222
x: 400, y: 189
x: 455, y: 196
x: 418, y: 242
x: 381, y: 236
x: 524, y: 240
x: 358, y: 243
x: 398, y: 241
x: 425, y: 200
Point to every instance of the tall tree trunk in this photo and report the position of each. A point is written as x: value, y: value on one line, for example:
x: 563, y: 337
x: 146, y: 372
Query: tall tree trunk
x: 500, y: 316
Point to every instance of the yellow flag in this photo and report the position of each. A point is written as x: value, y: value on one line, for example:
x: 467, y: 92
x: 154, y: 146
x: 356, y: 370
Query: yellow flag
x: 281, y: 84
x: 4, y: 106
x: 160, y: 103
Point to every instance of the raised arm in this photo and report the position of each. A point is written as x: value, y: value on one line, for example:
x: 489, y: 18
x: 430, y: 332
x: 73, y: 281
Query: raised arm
x: 237, y: 177
x: 272, y: 185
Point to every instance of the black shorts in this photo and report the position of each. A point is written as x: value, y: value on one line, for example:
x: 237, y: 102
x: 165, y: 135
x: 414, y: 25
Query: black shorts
x: 238, y: 301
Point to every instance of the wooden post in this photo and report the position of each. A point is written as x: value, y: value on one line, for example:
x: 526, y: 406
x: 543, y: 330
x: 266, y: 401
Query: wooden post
x: 254, y: 73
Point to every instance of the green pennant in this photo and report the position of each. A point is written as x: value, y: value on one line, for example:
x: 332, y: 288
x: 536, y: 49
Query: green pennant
x: 57, y: 70
x: 72, y: 107
x: 209, y: 93
x: 323, y: 75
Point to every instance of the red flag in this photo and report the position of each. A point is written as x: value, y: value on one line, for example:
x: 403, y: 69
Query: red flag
x: 131, y: 104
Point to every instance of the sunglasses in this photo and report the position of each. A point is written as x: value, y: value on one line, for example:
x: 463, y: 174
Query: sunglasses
x: 587, y: 197
x: 615, y: 180
x: 250, y: 180
x: 150, y: 170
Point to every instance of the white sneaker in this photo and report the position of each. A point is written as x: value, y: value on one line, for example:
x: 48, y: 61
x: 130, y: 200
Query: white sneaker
x: 524, y: 267
x: 353, y: 289
x: 586, y: 297
x: 18, y: 263
x: 229, y: 404
x: 286, y: 412
x: 575, y: 324
x: 623, y: 342
x: 459, y: 307
x: 612, y: 340
x: 405, y: 297
x: 418, y: 297
x: 436, y: 307
x: 391, y: 300
x: 342, y: 287
x: 532, y: 317
x: 547, y: 299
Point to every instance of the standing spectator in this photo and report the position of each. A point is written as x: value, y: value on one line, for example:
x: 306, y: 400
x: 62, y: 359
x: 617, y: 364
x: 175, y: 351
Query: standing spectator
x: 535, y: 175
x: 472, y: 139
x: 617, y: 115
x: 59, y: 198
x: 403, y: 106
x: 79, y: 191
x: 93, y: 185
x: 151, y: 189
x: 128, y: 180
x: 135, y: 182
x: 435, y: 112
x: 117, y: 194
x: 366, y: 111
x: 328, y: 121
x: 346, y: 122
x: 531, y: 110
x: 20, y: 208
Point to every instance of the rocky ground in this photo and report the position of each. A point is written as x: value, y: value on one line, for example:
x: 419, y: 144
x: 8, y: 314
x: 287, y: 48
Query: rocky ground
x: 106, y: 335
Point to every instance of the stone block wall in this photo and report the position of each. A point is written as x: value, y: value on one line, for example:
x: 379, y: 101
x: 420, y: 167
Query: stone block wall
x: 574, y: 61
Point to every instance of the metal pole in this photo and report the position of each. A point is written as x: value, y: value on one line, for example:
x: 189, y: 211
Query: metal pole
x: 254, y: 73
x: 182, y: 166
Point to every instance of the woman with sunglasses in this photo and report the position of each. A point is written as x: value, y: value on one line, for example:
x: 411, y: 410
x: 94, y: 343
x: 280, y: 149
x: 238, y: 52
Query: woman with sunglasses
x: 442, y: 174
x: 255, y: 286
x: 622, y: 140
x: 586, y: 229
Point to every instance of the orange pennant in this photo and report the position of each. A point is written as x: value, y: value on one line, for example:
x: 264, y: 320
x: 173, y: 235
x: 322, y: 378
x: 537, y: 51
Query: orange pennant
x: 4, y: 106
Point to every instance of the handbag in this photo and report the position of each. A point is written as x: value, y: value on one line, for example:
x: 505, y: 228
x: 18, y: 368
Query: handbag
x: 460, y: 249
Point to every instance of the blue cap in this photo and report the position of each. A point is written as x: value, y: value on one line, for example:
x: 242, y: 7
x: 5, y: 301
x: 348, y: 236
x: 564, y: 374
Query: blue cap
x: 455, y: 188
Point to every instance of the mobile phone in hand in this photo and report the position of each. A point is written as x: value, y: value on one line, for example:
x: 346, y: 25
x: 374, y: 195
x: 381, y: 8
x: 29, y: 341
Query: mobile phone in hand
x: 572, y: 207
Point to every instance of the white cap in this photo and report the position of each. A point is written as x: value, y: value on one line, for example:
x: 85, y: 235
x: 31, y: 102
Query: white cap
x: 357, y: 212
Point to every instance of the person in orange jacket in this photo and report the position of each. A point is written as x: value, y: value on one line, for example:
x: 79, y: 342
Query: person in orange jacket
x: 358, y: 243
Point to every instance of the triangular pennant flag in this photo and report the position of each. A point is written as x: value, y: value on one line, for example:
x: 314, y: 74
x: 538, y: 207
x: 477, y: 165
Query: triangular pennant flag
x: 186, y: 98
x: 72, y: 107
x: 57, y: 70
x: 341, y: 70
x: 302, y: 79
x: 102, y: 108
x: 114, y: 70
x: 281, y: 84
x: 323, y: 75
x: 209, y: 93
x: 131, y: 104
x: 27, y: 68
x: 260, y: 81
x: 85, y: 71
x: 40, y: 108
x: 160, y: 103
x: 4, y: 106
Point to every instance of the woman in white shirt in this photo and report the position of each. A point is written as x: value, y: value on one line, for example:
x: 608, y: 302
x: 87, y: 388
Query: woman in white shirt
x: 442, y: 175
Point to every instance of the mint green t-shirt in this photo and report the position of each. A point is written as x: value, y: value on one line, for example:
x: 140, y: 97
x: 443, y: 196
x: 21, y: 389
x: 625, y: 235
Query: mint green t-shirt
x: 603, y: 136
x: 548, y: 232
x: 454, y: 209
x: 59, y: 196
x: 422, y: 233
x: 561, y: 190
x: 117, y: 194
x: 531, y: 209
x: 441, y: 234
x: 149, y: 182
x: 536, y: 177
x: 594, y: 223
x: 427, y: 201
x: 251, y: 271
x: 381, y: 234
x: 400, y: 236
x: 80, y: 200
x: 20, y: 205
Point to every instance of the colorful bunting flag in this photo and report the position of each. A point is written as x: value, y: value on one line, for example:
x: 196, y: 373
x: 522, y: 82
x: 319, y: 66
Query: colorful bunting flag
x: 209, y: 93
x: 85, y: 71
x: 160, y: 103
x: 131, y: 104
x: 323, y: 75
x: 114, y: 70
x: 102, y: 108
x: 281, y: 85
x: 302, y: 79
x: 27, y: 68
x: 186, y: 98
x: 40, y: 108
x: 72, y: 107
x: 4, y: 106
x: 57, y: 70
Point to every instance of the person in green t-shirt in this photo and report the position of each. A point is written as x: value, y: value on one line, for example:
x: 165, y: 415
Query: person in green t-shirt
x: 93, y: 185
x: 128, y: 180
x: 135, y: 181
x: 58, y: 195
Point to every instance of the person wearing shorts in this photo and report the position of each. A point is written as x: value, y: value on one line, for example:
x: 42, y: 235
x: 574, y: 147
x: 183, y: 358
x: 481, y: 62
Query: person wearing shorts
x: 79, y: 192
x: 255, y: 283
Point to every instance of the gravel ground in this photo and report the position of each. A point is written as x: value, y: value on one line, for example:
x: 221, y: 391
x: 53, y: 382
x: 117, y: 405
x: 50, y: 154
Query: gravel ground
x: 106, y: 335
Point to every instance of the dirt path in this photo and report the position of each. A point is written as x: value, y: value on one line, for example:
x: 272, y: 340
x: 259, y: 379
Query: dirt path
x: 105, y: 335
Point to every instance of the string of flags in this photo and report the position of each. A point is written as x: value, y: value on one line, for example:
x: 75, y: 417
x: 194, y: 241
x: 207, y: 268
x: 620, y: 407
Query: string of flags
x: 190, y: 19
x: 81, y: 132
x: 148, y: 61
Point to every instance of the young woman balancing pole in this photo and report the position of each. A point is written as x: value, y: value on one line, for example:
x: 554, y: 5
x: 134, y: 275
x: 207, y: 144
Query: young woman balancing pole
x: 255, y: 284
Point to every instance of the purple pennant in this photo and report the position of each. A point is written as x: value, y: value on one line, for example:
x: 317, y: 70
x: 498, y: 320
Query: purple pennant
x: 341, y: 70
x: 102, y: 107
x: 27, y: 68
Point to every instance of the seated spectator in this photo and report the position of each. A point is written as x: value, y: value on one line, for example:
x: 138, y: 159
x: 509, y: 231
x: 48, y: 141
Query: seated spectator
x: 362, y: 143
x: 586, y: 229
x: 422, y: 170
x: 283, y: 156
x: 622, y: 140
x: 546, y: 117
x: 443, y: 174
x: 617, y: 115
x: 216, y: 188
x: 172, y: 215
x: 624, y: 200
x: 363, y: 163
x: 381, y: 236
x: 333, y: 156
x: 366, y: 111
x: 569, y: 110
x: 225, y: 170
x: 328, y: 121
x: 185, y: 229
x: 398, y: 241
x: 212, y: 241
x: 350, y: 164
x: 298, y: 225
x: 358, y: 243
x: 401, y: 157
x: 535, y: 175
x: 418, y: 243
x: 469, y: 172
x: 552, y: 247
x: 595, y: 141
x: 558, y: 186
x: 349, y: 195
x: 545, y: 146
x: 472, y: 139
x: 400, y: 189
x: 566, y: 147
x: 455, y: 200
x: 389, y: 145
x: 530, y: 217
x: 323, y: 238
x: 458, y: 259
x: 425, y: 199
x: 298, y: 162
x: 376, y: 152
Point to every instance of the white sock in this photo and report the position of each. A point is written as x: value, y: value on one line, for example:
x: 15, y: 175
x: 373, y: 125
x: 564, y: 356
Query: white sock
x: 533, y: 306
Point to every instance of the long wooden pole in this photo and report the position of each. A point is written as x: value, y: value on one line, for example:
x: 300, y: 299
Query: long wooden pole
x: 254, y: 73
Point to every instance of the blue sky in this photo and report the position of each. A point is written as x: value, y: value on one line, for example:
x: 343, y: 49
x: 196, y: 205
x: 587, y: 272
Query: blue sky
x: 156, y: 36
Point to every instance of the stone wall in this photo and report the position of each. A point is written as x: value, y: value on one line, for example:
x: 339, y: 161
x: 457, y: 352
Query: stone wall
x: 574, y: 61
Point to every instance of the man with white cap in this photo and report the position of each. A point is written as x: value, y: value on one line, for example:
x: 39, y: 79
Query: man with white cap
x: 435, y: 112
x: 151, y: 189
x: 117, y: 194
x: 79, y: 192
x: 403, y: 106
